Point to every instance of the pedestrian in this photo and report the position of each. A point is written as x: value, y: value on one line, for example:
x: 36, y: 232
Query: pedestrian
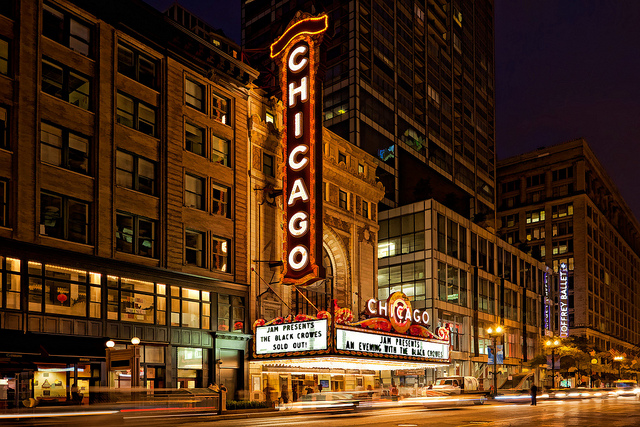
x: 534, y: 392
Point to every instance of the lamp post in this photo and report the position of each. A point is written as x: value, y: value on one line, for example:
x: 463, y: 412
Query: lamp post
x: 135, y: 365
x: 553, y: 345
x: 494, y: 332
x: 619, y: 359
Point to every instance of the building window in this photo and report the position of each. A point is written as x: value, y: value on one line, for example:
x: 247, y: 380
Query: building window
x: 194, y: 191
x: 220, y: 109
x: 4, y: 128
x: 562, y: 247
x: 4, y: 202
x: 268, y: 164
x: 342, y: 157
x: 365, y: 209
x: 66, y: 291
x: 4, y: 57
x: 66, y: 30
x: 138, y: 301
x: 137, y: 66
x: 560, y: 211
x: 535, y: 180
x: 535, y: 233
x: 360, y: 168
x: 65, y: 84
x: 401, y: 235
x: 135, y: 173
x: 63, y: 148
x: 535, y: 216
x: 135, y: 114
x: 343, y: 201
x: 194, y: 139
x: 135, y: 235
x: 190, y: 308
x: 269, y: 118
x: 10, y: 283
x: 64, y: 218
x: 561, y: 174
x: 194, y: 94
x: 231, y: 313
x: 220, y: 200
x: 220, y: 150
x: 220, y: 250
x: 193, y: 248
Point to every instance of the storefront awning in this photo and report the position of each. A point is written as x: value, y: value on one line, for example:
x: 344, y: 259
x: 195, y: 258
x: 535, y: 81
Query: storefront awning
x: 341, y: 362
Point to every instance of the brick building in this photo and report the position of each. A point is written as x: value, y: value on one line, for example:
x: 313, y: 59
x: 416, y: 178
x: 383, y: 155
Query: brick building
x: 124, y: 195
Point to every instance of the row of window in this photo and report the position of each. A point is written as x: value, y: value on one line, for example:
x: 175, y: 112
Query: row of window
x: 401, y: 235
x: 65, y: 291
x: 66, y: 218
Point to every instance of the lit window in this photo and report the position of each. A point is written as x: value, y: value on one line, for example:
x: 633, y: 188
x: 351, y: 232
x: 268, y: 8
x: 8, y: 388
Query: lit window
x: 221, y: 109
x: 220, y: 250
x: 220, y: 200
x: 269, y: 118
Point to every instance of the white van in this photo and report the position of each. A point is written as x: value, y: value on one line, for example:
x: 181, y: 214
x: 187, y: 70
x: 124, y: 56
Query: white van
x: 456, y: 385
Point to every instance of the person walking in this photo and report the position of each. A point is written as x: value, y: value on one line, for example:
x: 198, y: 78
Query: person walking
x: 534, y: 393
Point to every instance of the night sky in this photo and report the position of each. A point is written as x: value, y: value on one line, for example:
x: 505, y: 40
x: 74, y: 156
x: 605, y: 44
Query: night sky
x: 565, y: 69
x: 569, y: 69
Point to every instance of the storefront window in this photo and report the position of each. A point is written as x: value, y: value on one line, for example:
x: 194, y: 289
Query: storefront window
x: 190, y: 308
x: 189, y: 358
x: 10, y: 283
x: 65, y: 298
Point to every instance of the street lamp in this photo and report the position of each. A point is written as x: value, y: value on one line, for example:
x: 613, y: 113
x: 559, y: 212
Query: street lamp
x: 553, y: 345
x: 619, y: 359
x: 494, y: 332
x: 135, y: 368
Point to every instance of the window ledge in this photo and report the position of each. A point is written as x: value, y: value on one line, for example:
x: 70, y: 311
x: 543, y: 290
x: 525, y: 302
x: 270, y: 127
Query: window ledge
x: 67, y: 170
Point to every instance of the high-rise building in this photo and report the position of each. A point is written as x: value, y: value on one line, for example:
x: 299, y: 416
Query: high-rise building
x: 411, y: 82
x: 559, y: 205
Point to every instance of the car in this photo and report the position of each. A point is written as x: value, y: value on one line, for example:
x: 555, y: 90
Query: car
x: 626, y: 388
x: 326, y: 401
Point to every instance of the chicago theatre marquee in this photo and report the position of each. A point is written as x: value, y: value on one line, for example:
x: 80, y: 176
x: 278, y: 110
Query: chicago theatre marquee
x: 314, y: 245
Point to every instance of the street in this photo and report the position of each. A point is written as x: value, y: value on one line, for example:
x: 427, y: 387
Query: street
x: 594, y: 412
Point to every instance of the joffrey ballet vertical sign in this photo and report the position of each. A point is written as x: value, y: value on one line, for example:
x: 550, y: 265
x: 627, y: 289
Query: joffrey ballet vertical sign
x: 564, y: 301
x: 297, y: 53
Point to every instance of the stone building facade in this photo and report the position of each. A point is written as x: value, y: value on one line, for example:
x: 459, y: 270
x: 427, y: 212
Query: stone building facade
x: 350, y: 197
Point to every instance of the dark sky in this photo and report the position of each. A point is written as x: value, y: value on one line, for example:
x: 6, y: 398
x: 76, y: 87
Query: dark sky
x: 565, y: 69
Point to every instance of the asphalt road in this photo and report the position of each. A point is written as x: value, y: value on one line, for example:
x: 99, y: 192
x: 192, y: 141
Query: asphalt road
x: 609, y: 412
x: 612, y: 412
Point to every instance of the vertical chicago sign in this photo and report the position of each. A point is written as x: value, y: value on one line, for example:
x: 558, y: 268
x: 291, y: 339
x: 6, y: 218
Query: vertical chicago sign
x: 297, y: 53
